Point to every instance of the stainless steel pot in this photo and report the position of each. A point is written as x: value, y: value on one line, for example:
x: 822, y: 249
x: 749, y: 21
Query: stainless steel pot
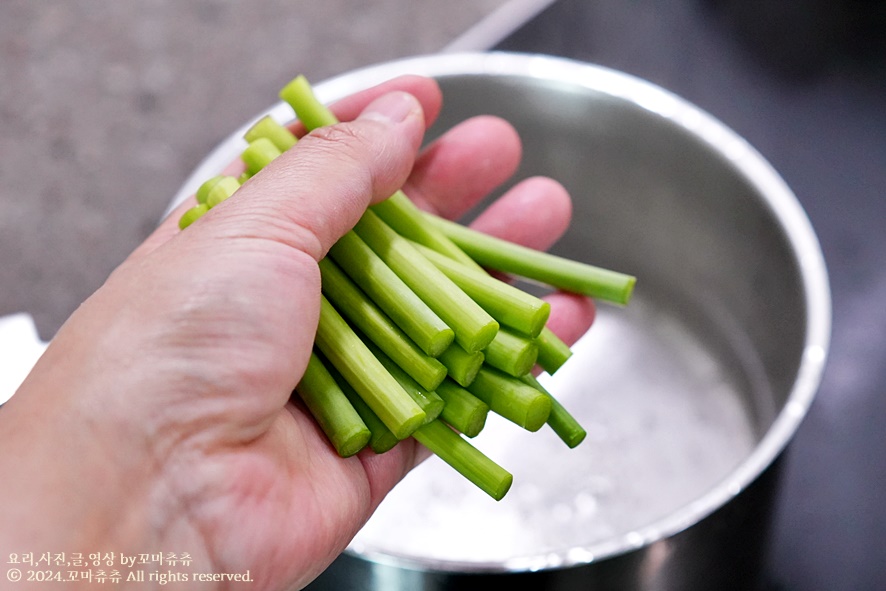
x: 690, y: 394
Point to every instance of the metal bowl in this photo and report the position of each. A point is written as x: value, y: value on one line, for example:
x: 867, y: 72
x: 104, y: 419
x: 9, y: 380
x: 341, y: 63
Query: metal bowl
x: 690, y: 394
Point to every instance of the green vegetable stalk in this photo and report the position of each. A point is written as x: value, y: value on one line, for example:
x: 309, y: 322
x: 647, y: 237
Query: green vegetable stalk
x: 388, y: 290
x: 512, y: 398
x: 415, y: 337
x: 465, y: 458
x: 363, y: 314
x: 474, y: 328
x: 363, y: 371
x: 536, y: 265
x: 332, y: 410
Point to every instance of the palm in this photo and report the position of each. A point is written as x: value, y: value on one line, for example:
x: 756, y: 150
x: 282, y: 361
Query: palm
x: 287, y: 504
x: 261, y: 483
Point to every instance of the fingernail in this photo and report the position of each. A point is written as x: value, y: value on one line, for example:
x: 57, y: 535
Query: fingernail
x: 394, y: 107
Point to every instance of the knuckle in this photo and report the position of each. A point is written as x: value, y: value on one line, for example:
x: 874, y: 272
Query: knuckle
x: 342, y: 141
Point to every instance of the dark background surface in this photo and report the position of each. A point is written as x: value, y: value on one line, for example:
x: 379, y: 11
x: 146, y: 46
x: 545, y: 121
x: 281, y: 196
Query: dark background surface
x: 805, y: 83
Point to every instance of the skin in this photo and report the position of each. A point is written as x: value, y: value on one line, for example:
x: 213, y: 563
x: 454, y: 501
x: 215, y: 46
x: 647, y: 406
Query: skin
x: 160, y: 418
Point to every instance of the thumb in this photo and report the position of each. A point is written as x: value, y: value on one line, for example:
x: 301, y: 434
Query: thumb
x: 317, y: 190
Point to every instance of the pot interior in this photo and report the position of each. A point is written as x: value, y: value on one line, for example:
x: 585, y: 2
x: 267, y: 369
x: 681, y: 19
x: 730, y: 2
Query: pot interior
x: 676, y: 390
x: 689, y: 392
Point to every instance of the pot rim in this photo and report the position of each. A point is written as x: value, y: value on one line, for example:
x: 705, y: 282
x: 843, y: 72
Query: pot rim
x: 746, y: 160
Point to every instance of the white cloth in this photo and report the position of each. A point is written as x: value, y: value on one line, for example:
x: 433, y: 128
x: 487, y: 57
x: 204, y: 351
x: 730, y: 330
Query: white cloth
x: 20, y: 347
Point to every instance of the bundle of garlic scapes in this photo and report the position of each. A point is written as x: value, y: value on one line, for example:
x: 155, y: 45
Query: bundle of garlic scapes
x: 415, y: 338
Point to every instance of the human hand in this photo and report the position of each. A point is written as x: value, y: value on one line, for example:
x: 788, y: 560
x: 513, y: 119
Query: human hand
x: 160, y: 417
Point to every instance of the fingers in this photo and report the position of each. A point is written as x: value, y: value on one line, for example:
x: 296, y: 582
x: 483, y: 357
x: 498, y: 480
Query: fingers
x: 313, y: 193
x: 464, y: 165
x: 457, y: 171
x: 425, y: 90
x: 534, y: 213
x: 571, y: 315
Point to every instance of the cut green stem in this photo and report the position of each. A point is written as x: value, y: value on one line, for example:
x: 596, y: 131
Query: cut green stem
x: 511, y: 398
x: 311, y: 112
x: 330, y: 407
x: 267, y: 127
x: 461, y: 365
x: 362, y: 313
x: 259, y: 153
x: 474, y: 327
x: 552, y: 351
x: 206, y: 186
x: 398, y: 210
x: 400, y: 213
x: 462, y: 410
x: 363, y: 371
x: 560, y: 420
x: 192, y: 215
x: 509, y: 305
x: 428, y: 400
x: 221, y: 190
x: 380, y: 437
x: 391, y: 294
x: 536, y: 265
x: 470, y: 462
x: 511, y: 353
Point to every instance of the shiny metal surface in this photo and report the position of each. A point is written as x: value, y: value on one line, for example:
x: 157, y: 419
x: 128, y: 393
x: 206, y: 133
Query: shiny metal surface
x: 690, y: 394
x: 804, y: 83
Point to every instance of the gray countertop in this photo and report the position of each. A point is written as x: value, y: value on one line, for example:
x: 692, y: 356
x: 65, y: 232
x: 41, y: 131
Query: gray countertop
x: 105, y: 107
